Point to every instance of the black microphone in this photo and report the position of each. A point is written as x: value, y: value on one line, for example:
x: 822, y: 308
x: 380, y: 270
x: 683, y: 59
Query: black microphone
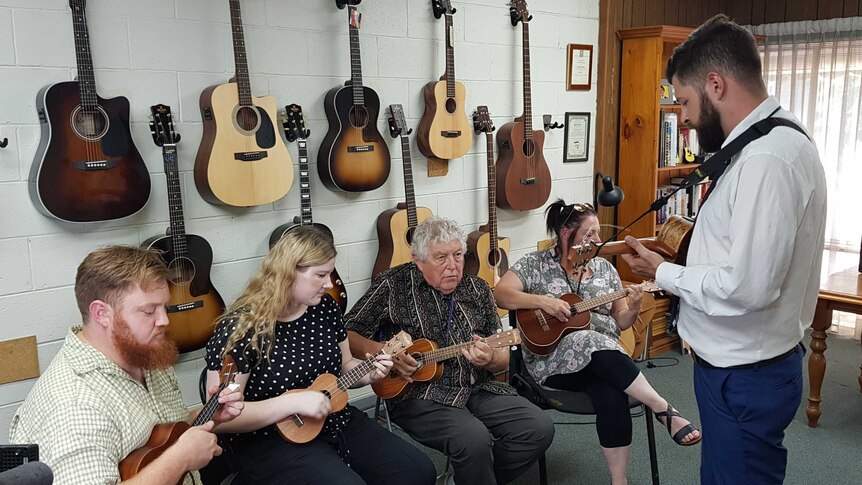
x: 31, y: 473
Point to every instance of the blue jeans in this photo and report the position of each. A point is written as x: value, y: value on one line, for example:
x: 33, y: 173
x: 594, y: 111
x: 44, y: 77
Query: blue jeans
x: 743, y: 415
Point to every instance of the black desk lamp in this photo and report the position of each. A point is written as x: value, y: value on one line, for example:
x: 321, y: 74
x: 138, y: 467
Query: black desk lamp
x: 610, y: 195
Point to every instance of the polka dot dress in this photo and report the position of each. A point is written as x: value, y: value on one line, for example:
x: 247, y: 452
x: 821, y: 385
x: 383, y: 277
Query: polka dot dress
x: 303, y: 349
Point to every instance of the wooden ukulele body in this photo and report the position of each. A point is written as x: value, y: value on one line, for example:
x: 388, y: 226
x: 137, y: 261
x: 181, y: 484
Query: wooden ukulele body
x: 163, y: 436
x: 444, y: 131
x: 523, y: 177
x: 393, y: 385
x: 302, y: 429
x: 541, y: 332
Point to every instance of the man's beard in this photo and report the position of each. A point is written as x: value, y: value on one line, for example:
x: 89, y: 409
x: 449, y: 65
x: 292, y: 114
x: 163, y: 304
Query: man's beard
x: 149, y: 356
x: 708, y: 126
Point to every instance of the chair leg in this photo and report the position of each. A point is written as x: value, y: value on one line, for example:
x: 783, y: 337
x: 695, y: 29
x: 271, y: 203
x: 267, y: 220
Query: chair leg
x: 386, y: 412
x: 653, y: 460
x: 543, y: 470
x: 381, y: 401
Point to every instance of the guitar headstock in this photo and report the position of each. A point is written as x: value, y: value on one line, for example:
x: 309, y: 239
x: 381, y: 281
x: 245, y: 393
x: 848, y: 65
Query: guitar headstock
x: 398, y: 343
x: 293, y: 123
x: 162, y: 126
x: 482, y: 121
x: 343, y: 3
x: 397, y: 121
x: 441, y: 7
x: 508, y: 338
x: 518, y: 12
x: 77, y: 5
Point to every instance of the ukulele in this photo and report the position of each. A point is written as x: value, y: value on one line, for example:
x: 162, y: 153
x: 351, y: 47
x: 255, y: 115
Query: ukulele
x: 430, y: 358
x: 194, y: 304
x: 302, y: 429
x: 542, y: 332
x: 487, y: 254
x: 395, y: 226
x: 242, y: 160
x: 293, y: 123
x: 166, y: 434
x: 444, y: 131
x: 87, y: 167
x: 353, y: 156
x: 523, y: 177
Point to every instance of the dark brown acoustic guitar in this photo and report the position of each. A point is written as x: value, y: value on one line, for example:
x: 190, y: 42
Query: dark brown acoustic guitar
x: 194, y: 304
x: 87, y: 167
x: 293, y: 122
x: 166, y: 434
x: 353, y: 156
x: 523, y: 177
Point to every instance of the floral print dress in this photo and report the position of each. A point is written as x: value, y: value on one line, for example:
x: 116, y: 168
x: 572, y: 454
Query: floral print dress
x: 540, y: 274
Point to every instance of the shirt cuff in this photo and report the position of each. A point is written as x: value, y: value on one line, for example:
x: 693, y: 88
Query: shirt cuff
x: 665, y: 276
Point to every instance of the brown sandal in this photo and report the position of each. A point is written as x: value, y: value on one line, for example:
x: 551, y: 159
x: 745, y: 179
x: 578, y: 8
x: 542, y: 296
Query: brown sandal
x: 682, y: 432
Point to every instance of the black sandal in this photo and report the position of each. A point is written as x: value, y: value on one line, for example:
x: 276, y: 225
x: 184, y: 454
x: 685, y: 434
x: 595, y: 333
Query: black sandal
x: 683, y: 432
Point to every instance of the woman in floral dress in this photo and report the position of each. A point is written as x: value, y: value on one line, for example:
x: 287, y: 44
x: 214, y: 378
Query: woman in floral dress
x: 591, y: 360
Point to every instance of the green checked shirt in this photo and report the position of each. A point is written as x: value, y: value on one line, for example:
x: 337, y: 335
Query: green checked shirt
x: 87, y: 414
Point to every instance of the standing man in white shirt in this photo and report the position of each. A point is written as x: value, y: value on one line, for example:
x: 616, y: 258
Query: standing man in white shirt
x: 749, y: 287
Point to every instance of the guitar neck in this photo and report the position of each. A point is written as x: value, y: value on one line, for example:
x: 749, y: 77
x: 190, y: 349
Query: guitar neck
x: 242, y: 81
x: 528, y: 109
x: 357, y: 372
x: 598, y: 301
x: 175, y: 200
x: 450, y: 57
x: 86, y: 79
x: 355, y: 57
x: 412, y: 219
x: 304, y: 183
x: 492, y: 193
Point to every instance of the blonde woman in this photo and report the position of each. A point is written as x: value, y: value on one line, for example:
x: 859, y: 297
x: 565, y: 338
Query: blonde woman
x: 283, y: 332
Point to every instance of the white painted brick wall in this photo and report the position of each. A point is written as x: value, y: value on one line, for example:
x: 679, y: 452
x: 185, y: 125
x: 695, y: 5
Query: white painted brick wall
x: 168, y: 51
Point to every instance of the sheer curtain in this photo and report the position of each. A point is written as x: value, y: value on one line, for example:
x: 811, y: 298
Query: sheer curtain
x: 814, y: 69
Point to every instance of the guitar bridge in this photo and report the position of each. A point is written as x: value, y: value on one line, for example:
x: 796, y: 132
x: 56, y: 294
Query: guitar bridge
x: 90, y: 166
x: 183, y: 307
x: 450, y: 133
x: 250, y: 156
x: 528, y: 181
x: 360, y: 148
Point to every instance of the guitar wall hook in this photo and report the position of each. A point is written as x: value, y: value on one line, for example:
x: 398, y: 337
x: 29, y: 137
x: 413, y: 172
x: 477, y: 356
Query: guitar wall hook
x: 546, y: 119
x: 4, y: 143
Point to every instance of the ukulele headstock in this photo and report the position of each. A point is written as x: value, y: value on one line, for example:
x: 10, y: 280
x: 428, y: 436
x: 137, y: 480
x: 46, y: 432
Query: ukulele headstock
x: 293, y: 122
x: 442, y: 7
x: 398, y: 343
x: 518, y: 12
x: 508, y: 338
x: 228, y: 372
x: 581, y: 254
x: 162, y: 125
x: 482, y: 121
x: 397, y: 121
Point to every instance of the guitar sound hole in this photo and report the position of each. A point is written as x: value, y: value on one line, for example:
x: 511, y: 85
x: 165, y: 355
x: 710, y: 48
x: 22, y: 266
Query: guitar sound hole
x: 89, y: 123
x: 358, y: 116
x: 450, y: 105
x: 529, y: 148
x: 182, y: 271
x: 247, y: 118
x: 494, y: 258
x: 409, y: 235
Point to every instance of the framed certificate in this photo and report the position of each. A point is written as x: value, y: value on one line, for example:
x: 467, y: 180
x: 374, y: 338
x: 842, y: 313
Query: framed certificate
x: 579, y: 67
x: 576, y: 139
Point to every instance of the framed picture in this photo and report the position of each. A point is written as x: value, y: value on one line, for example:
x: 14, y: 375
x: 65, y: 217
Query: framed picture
x: 579, y: 67
x: 576, y: 139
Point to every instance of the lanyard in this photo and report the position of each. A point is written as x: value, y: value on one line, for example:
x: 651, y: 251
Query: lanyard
x: 451, y: 314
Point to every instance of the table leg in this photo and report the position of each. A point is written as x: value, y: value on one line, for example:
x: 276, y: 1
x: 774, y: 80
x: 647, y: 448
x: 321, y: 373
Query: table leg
x: 817, y: 361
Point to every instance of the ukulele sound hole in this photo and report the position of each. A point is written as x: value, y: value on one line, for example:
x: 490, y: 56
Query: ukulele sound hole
x: 246, y: 119
x: 327, y: 394
x: 182, y: 271
x: 358, y: 116
x: 90, y: 123
x: 450, y: 105
x: 529, y: 148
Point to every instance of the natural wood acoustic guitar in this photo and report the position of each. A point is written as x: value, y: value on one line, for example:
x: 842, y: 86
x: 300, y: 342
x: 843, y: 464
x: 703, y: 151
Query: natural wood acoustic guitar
x: 487, y: 253
x: 302, y: 429
x: 166, y: 434
x: 430, y: 358
x: 395, y: 226
x: 523, y: 177
x: 444, y: 131
x: 194, y: 303
x: 242, y: 160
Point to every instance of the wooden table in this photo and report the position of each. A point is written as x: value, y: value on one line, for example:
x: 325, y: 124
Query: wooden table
x: 843, y: 292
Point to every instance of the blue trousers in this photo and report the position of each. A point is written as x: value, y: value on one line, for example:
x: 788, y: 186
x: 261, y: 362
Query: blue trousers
x: 743, y: 415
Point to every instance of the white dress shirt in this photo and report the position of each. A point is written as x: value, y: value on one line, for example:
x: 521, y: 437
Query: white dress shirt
x: 749, y: 287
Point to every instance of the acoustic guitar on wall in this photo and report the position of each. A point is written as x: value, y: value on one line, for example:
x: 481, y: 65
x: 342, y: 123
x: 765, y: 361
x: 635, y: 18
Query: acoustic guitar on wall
x: 487, y: 253
x: 242, y: 160
x: 294, y: 130
x: 87, y: 167
x: 444, y: 131
x: 353, y: 156
x: 523, y: 177
x: 395, y: 226
x: 194, y: 303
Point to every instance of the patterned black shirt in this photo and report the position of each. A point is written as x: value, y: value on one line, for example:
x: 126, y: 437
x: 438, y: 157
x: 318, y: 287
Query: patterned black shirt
x: 303, y: 349
x: 401, y: 299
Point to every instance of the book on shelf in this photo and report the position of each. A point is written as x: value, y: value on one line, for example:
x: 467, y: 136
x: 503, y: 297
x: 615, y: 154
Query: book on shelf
x: 684, y: 202
x: 669, y: 139
x: 665, y: 93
